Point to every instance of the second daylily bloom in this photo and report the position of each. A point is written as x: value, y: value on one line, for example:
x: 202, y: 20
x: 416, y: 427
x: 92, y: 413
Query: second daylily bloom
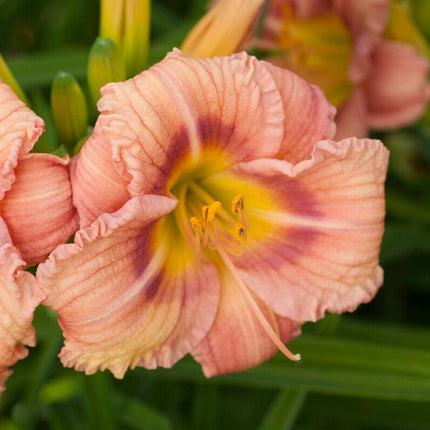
x: 36, y: 214
x: 373, y: 74
x: 227, y: 219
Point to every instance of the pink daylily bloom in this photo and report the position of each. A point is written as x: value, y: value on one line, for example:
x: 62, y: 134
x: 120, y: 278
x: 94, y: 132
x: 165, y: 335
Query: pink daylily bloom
x: 341, y: 46
x: 233, y: 219
x: 36, y: 215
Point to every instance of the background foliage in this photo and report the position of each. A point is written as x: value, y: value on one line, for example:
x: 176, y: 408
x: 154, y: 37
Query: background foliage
x: 369, y: 370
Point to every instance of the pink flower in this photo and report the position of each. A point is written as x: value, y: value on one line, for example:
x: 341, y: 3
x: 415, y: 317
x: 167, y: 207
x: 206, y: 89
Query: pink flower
x: 343, y: 46
x: 227, y: 219
x: 36, y: 214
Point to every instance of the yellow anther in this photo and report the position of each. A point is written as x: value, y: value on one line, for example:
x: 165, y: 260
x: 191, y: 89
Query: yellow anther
x: 196, y: 224
x: 239, y: 233
x: 237, y: 203
x: 209, y: 212
x: 205, y: 211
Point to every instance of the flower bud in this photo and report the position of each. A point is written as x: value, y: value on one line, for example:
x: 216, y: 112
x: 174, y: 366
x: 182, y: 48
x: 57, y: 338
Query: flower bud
x: 105, y: 65
x: 7, y: 77
x: 69, y: 109
x: 127, y: 23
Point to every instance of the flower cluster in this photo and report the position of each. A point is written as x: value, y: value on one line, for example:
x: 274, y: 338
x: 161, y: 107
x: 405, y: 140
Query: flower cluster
x: 219, y: 203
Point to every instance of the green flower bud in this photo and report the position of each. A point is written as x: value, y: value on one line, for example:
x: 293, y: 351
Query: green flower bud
x: 105, y: 65
x: 7, y: 77
x: 127, y: 23
x: 69, y: 109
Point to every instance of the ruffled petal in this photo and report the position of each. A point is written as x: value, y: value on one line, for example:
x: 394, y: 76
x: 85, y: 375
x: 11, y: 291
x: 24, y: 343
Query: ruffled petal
x: 308, y: 116
x: 38, y: 209
x: 122, y: 298
x: 315, y: 229
x: 19, y: 295
x: 352, y: 118
x: 366, y: 20
x: 97, y: 187
x: 398, y: 90
x: 19, y: 130
x: 182, y: 108
x: 237, y: 340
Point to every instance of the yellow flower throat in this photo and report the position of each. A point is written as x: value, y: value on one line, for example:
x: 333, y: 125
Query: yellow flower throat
x: 318, y: 49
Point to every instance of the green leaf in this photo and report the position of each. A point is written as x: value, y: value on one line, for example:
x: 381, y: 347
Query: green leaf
x: 98, y: 401
x: 332, y: 365
x: 205, y: 407
x: 60, y: 389
x: 135, y: 414
x: 39, y: 70
x: 284, y: 410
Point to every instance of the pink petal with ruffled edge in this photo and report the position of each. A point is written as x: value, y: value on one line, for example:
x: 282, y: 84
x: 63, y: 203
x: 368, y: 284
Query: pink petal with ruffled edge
x: 237, y: 340
x: 366, y: 20
x: 97, y: 187
x: 118, y: 304
x: 322, y: 253
x: 19, y: 130
x: 398, y: 90
x: 181, y: 106
x: 38, y: 209
x: 308, y: 116
x: 19, y: 295
x: 352, y: 118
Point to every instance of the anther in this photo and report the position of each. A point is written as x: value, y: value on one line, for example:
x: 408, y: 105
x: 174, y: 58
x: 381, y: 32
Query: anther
x: 237, y: 204
x: 210, y: 212
x: 196, y: 224
x: 197, y: 227
x: 240, y: 233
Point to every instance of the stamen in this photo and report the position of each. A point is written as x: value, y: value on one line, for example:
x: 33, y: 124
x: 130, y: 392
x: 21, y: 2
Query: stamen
x: 240, y: 233
x: 257, y: 311
x: 212, y: 211
x: 197, y: 228
x: 237, y: 204
x: 196, y: 224
x: 238, y: 208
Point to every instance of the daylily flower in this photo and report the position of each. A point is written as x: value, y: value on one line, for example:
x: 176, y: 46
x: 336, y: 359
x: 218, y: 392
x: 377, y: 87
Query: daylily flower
x: 357, y: 53
x: 36, y: 215
x: 227, y: 219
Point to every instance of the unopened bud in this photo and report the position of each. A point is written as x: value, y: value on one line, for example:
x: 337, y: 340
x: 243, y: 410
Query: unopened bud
x: 69, y: 109
x: 7, y: 77
x: 127, y: 23
x: 105, y: 65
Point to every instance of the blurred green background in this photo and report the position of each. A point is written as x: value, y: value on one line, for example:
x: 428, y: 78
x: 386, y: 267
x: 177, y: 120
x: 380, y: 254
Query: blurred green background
x: 367, y: 370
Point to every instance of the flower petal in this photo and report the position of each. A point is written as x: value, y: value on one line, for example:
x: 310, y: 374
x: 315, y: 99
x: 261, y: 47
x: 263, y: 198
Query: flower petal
x: 366, y: 20
x: 181, y: 106
x: 223, y: 29
x: 19, y: 295
x: 352, y: 118
x: 398, y: 91
x: 308, y: 116
x: 19, y: 130
x: 122, y: 298
x: 237, y: 340
x: 97, y: 187
x: 38, y: 209
x: 315, y: 247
